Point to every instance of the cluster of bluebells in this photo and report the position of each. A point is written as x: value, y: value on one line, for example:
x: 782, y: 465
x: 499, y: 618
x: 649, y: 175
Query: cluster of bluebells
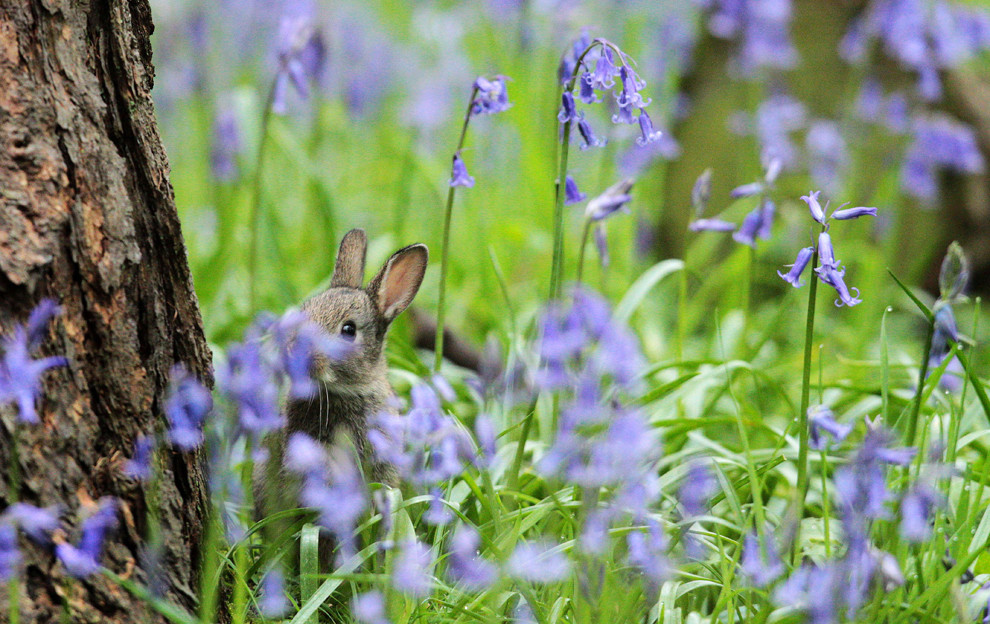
x: 758, y: 223
x: 20, y: 374
x: 301, y: 55
x: 830, y: 270
x: 762, y: 28
x: 488, y: 97
x: 924, y: 36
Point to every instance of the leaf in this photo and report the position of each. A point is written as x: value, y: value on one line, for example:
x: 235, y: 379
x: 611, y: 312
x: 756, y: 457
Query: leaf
x: 642, y: 286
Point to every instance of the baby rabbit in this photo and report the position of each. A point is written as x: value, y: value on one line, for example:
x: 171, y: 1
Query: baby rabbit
x: 354, y: 389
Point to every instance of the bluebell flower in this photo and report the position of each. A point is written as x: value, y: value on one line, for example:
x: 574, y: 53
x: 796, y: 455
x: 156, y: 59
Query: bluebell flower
x: 605, y: 70
x: 697, y: 489
x: 437, y: 514
x: 493, y: 97
x: 587, y: 92
x: 917, y: 508
x: 631, y: 85
x: 301, y: 57
x: 601, y: 244
x: 304, y: 455
x: 411, y: 572
x: 300, y: 343
x: 187, y: 404
x: 817, y: 213
x: 648, y: 553
x: 248, y: 379
x: 761, y: 565
x: 459, y: 175
x: 712, y: 225
x: 369, y: 608
x: 272, y: 603
x: 827, y: 154
x: 763, y: 31
x: 649, y: 135
x: 484, y: 431
x: 10, y: 555
x: 465, y: 566
x: 822, y: 420
x: 139, y: 466
x: 746, y: 190
x: 226, y: 145
x: 606, y: 204
x: 588, y: 138
x: 768, y: 209
x: 20, y: 375
x: 571, y: 193
x: 793, y: 276
x: 833, y: 277
x: 83, y: 561
x: 776, y: 118
x: 538, y: 562
x: 938, y: 142
x: 826, y: 254
x: 853, y: 213
x: 624, y: 115
x: 701, y: 192
x: 568, y: 111
x: 36, y: 522
x: 751, y: 226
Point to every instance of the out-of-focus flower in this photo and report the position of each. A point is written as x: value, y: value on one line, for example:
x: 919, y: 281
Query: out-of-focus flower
x: 186, y: 408
x: 411, y: 573
x: 954, y: 274
x: 139, y: 466
x: 492, y: 96
x: 601, y: 244
x: 648, y: 134
x: 761, y: 564
x: 272, y: 602
x: 647, y: 551
x: 938, y: 142
x: 751, y: 226
x: 701, y: 192
x: 465, y: 565
x: 827, y: 154
x: 917, y: 507
x: 301, y: 56
x: 10, y: 556
x: 571, y: 193
x: 82, y: 561
x: 20, y: 376
x: 775, y: 119
x: 762, y: 28
x: 369, y: 608
x: 822, y: 420
x: 459, y: 174
x: 36, y: 522
x: 711, y: 225
x: 606, y: 204
x: 588, y: 138
x: 227, y: 144
x: 538, y: 562
x: 697, y: 489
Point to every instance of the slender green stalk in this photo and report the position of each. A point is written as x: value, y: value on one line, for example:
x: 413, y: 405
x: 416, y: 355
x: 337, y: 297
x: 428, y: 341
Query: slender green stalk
x: 802, y: 478
x: 557, y: 267
x: 584, y: 244
x: 445, y: 247
x: 912, y: 426
x: 266, y: 117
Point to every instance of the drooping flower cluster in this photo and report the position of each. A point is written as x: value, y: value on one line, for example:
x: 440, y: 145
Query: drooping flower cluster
x: 488, y: 98
x: 830, y: 270
x: 301, y: 56
x: 20, y: 375
x: 924, y: 36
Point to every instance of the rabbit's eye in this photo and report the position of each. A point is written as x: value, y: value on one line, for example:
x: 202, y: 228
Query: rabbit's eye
x: 348, y: 330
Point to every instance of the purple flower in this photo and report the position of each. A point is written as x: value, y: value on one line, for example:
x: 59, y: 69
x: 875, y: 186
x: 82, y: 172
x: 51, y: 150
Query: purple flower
x: 764, y: 567
x: 272, y: 602
x: 601, y: 244
x: 299, y: 342
x: 304, y: 455
x: 301, y: 58
x: 369, y: 608
x: 822, y: 420
x: 624, y: 115
x: 484, y: 431
x: 647, y: 552
x: 10, y: 556
x: 571, y: 193
x: 768, y: 209
x: 337, y: 492
x: 945, y: 331
x: 465, y: 566
x: 248, y: 379
x: 587, y: 91
x: 459, y: 175
x: 827, y: 153
x: 568, y: 111
x: 606, y: 204
x: 139, y: 467
x: 793, y: 276
x: 82, y: 561
x: 747, y: 190
x: 826, y: 255
x: 701, y: 192
x: 646, y: 128
x: 631, y: 84
x: 538, y: 562
x: 186, y: 407
x: 36, y: 522
x: 437, y: 514
x: 938, y: 142
x: 816, y: 209
x: 588, y: 138
x: 492, y: 96
x: 20, y: 376
x: 833, y: 277
x: 605, y: 70
x: 711, y: 225
x: 227, y: 144
x: 853, y: 213
x: 917, y: 508
x: 697, y: 489
x: 751, y: 226
x: 411, y: 573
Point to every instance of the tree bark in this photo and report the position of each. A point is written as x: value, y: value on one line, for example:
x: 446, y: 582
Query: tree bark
x: 87, y: 217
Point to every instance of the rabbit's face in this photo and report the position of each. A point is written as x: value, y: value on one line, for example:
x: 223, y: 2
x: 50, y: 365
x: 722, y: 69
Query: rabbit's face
x: 348, y: 314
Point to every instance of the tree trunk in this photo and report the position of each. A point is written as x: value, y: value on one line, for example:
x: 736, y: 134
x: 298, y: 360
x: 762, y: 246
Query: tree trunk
x: 87, y: 217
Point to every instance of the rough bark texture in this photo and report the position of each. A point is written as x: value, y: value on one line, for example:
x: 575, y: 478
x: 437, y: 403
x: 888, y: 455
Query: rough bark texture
x: 87, y: 217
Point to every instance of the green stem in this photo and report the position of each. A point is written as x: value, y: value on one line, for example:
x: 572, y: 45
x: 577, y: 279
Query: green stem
x: 802, y: 477
x: 912, y: 429
x: 445, y: 247
x: 256, y: 201
x: 584, y: 244
x: 557, y: 267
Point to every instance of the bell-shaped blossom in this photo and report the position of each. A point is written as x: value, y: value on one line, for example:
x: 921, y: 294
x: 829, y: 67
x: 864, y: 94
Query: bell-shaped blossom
x: 187, y: 404
x: 301, y: 57
x: 586, y: 91
x: 588, y: 138
x: 822, y: 421
x: 793, y: 276
x: 606, y: 204
x: 36, y: 522
x: 747, y: 190
x: 493, y: 97
x: 411, y: 572
x: 917, y: 508
x: 83, y: 560
x: 139, y: 466
x: 568, y: 110
x: 834, y: 278
x: 853, y: 213
x: 712, y: 225
x: 648, y: 553
x: 751, y: 226
x: 761, y: 564
x: 459, y: 174
x: 646, y: 128
x: 817, y: 213
x: 603, y: 77
x: 571, y: 193
x: 465, y: 566
x: 20, y: 375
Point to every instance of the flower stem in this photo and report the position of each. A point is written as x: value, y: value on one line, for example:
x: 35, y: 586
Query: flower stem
x: 581, y: 249
x: 802, y: 467
x: 912, y: 428
x: 445, y: 247
x: 255, y: 212
x: 557, y: 267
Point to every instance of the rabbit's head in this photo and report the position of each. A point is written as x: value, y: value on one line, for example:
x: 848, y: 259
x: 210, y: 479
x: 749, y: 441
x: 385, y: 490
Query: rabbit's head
x: 362, y: 315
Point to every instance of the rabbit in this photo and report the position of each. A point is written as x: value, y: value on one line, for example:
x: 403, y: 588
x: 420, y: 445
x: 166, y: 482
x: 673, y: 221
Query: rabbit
x: 354, y: 389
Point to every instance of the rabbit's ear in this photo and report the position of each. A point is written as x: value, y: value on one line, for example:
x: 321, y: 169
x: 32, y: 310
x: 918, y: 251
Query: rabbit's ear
x: 396, y: 284
x: 349, y: 270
